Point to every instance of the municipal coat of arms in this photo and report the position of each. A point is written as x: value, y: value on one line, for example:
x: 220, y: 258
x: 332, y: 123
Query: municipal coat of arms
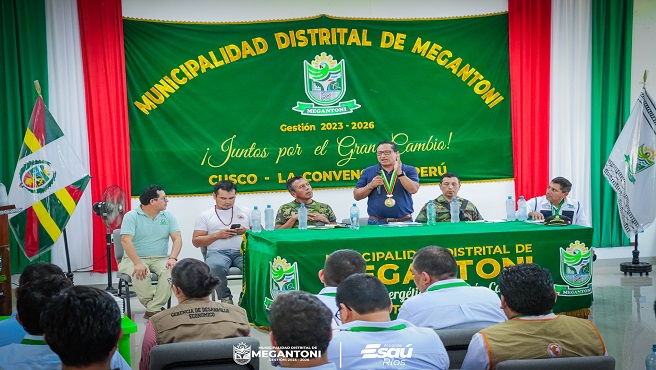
x: 325, y: 86
x: 283, y: 277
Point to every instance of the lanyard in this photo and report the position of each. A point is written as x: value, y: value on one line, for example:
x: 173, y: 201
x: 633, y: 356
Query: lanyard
x: 37, y: 342
x: 376, y: 329
x: 329, y: 294
x: 449, y: 285
x: 556, y: 211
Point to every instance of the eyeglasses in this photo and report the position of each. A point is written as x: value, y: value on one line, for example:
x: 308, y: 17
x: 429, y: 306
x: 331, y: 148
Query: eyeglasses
x: 384, y: 152
x: 338, y: 317
x: 162, y: 198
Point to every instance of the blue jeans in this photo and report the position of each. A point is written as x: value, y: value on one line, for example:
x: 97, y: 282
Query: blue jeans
x: 220, y: 261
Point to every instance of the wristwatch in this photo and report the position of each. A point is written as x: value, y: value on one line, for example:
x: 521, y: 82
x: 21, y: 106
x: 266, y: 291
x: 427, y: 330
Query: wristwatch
x: 401, y: 174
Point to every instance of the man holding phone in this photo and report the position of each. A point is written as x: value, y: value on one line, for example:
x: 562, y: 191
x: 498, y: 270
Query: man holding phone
x: 220, y: 229
x: 389, y: 185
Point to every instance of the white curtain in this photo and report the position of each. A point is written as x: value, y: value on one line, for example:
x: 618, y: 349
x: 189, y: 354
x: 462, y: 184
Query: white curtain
x: 571, y: 58
x: 67, y: 105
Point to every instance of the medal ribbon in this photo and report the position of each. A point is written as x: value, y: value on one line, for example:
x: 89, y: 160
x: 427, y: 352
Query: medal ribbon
x: 376, y: 329
x: 449, y: 285
x: 555, y: 211
x: 389, y: 185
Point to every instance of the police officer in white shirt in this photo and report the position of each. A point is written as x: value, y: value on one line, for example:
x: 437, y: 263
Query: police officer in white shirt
x: 446, y: 301
x: 368, y: 339
x: 338, y: 266
x: 556, y: 202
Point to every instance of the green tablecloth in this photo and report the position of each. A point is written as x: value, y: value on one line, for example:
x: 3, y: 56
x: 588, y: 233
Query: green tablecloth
x: 288, y: 259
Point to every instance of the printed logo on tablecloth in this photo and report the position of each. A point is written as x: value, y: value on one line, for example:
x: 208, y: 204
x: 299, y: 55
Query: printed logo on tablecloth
x: 325, y: 85
x: 576, y: 270
x: 283, y: 277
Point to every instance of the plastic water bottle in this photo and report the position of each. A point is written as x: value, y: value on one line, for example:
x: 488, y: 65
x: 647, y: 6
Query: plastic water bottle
x: 431, y: 213
x: 268, y: 218
x: 510, y: 209
x: 522, y: 209
x: 455, y: 210
x: 302, y: 217
x: 355, y: 217
x: 256, y: 220
x: 650, y: 361
x: 3, y: 195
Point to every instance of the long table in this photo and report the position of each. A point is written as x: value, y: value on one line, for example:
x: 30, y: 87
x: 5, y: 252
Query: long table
x: 289, y: 259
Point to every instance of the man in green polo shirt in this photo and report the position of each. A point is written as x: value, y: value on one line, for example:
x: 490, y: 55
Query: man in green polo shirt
x: 145, y: 236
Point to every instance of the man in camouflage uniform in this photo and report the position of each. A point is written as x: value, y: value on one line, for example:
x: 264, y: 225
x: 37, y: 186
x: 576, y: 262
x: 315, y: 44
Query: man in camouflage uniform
x: 301, y: 190
x: 450, y: 185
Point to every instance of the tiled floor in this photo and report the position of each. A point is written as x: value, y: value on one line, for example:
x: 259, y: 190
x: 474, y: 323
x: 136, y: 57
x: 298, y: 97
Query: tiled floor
x: 623, y: 311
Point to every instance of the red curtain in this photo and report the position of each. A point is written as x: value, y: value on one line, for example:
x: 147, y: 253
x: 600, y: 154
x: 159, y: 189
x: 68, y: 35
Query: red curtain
x: 529, y: 25
x: 101, y: 36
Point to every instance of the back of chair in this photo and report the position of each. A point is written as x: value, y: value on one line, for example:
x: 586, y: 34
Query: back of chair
x: 456, y: 342
x: 203, y: 354
x: 118, y: 247
x: 363, y: 221
x: 563, y: 363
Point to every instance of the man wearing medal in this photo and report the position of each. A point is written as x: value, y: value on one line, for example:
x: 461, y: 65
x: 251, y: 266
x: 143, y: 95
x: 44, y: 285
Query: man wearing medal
x: 389, y: 186
x: 556, y: 202
x: 213, y: 229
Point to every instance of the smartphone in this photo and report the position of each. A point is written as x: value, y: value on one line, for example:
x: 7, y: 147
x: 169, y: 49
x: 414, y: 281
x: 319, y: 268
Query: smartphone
x: 235, y: 226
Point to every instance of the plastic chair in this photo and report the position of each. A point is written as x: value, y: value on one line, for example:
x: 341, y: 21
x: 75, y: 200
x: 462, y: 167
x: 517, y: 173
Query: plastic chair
x: 125, y: 280
x: 456, y: 342
x: 204, y: 354
x: 562, y: 363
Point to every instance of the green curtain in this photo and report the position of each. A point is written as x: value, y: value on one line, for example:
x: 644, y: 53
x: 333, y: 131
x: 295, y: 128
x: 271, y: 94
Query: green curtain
x: 23, y: 60
x: 612, y: 25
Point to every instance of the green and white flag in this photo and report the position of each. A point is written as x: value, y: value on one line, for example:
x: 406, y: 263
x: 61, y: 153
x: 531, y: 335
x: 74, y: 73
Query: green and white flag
x: 630, y: 167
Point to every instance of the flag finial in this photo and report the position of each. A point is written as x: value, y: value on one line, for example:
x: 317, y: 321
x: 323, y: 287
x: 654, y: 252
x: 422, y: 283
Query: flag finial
x: 644, y: 77
x: 37, y: 86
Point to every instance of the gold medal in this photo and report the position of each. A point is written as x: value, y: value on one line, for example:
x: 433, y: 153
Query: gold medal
x: 389, y: 187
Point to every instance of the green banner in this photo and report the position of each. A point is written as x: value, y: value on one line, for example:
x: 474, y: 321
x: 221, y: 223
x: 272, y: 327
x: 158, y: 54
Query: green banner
x: 278, y: 261
x: 256, y: 103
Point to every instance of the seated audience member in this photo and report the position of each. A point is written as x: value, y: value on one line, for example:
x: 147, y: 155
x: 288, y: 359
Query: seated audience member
x: 195, y: 317
x: 301, y: 190
x: 213, y: 229
x: 300, y: 321
x: 364, y: 309
x: 82, y: 326
x: 12, y: 331
x: 446, y: 301
x: 338, y: 266
x: 32, y: 352
x: 556, y: 202
x: 532, y: 330
x: 450, y: 185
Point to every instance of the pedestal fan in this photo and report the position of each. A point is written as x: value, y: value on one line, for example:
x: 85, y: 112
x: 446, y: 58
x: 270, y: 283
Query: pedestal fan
x: 111, y: 209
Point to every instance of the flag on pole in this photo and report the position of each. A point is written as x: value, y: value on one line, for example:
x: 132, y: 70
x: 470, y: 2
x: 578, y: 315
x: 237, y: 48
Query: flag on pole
x: 48, y: 182
x: 630, y: 168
